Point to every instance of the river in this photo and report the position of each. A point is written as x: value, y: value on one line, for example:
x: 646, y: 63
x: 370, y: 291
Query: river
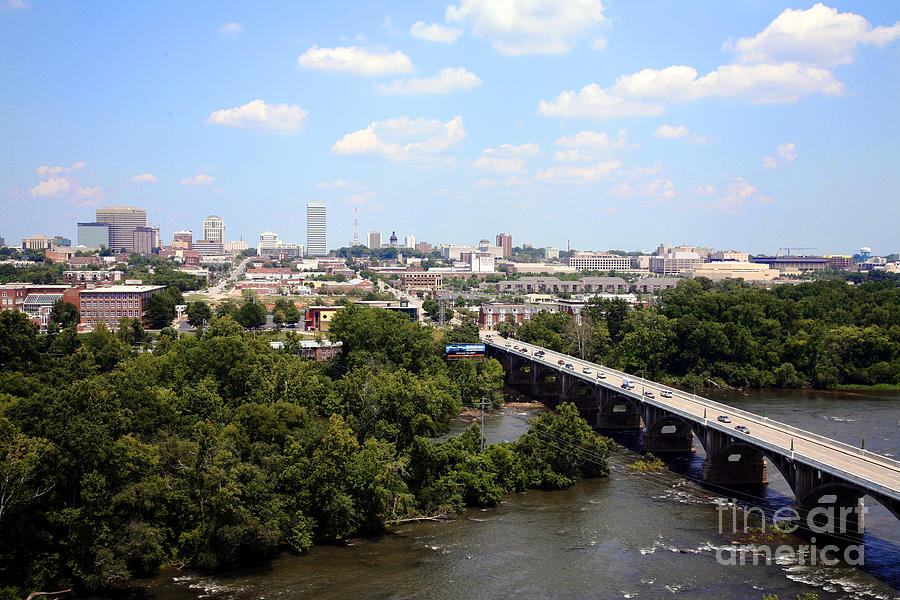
x: 633, y: 535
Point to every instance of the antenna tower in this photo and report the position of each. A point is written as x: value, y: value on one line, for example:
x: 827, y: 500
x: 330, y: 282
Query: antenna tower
x: 355, y: 227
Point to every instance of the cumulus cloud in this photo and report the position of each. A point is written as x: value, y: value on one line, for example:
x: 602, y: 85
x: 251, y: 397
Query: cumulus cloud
x: 351, y: 59
x: 403, y: 138
x: 517, y: 27
x: 506, y: 158
x: 144, y: 178
x: 733, y: 198
x: 817, y: 36
x: 259, y: 116
x: 659, y: 190
x: 790, y: 59
x: 445, y: 82
x: 231, y: 30
x: 786, y: 154
x: 671, y: 132
x: 198, y: 179
x: 526, y: 150
x: 59, y: 182
x: 434, y: 32
x: 586, y: 146
x: 573, y: 174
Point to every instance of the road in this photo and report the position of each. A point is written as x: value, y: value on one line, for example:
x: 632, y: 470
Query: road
x: 851, y: 463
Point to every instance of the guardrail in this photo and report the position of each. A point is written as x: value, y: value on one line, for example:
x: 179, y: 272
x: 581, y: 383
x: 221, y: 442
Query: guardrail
x: 841, y: 446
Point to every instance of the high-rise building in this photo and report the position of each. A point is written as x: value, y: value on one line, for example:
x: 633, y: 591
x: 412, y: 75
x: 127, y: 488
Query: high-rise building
x: 410, y: 242
x: 143, y: 239
x: 374, y: 240
x: 267, y: 242
x: 183, y: 239
x: 214, y: 229
x: 505, y: 242
x: 316, y: 242
x: 122, y: 220
x: 93, y: 235
x: 236, y: 246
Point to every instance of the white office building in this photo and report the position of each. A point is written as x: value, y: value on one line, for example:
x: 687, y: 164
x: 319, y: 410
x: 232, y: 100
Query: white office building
x: 316, y: 242
x: 268, y: 241
x: 374, y: 240
x: 214, y: 229
x: 410, y: 241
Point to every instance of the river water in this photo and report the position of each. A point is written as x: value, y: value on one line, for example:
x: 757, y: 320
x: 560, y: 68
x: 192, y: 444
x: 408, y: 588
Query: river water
x: 633, y: 535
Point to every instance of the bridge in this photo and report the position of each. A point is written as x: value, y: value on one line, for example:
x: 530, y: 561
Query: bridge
x: 828, y: 478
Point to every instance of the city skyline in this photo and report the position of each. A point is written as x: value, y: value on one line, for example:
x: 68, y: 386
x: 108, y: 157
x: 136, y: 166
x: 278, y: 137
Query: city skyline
x: 731, y: 130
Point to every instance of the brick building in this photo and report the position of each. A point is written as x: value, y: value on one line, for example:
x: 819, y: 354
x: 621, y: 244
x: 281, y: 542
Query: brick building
x: 110, y: 304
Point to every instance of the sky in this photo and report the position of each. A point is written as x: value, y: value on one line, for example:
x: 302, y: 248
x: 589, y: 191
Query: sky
x: 751, y: 124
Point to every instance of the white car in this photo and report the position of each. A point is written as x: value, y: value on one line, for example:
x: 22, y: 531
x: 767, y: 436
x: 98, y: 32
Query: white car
x: 586, y: 370
x: 601, y: 375
x: 666, y: 393
x: 649, y: 394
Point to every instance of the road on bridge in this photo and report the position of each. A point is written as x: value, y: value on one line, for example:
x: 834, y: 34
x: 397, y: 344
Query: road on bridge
x: 817, y: 451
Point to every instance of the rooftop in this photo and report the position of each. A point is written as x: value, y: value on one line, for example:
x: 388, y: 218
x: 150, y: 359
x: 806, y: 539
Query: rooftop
x: 125, y: 288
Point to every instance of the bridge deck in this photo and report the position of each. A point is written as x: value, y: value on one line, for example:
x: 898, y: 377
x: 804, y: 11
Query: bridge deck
x: 869, y: 471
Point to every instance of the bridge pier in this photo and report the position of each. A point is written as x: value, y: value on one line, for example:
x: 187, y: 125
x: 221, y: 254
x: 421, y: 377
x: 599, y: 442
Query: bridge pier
x: 617, y: 411
x: 731, y: 461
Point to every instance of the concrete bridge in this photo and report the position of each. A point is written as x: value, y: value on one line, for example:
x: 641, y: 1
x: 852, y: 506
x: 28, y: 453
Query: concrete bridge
x: 828, y: 478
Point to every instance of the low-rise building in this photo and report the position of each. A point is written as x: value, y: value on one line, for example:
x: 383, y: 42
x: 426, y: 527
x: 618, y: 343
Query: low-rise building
x: 39, y: 242
x: 493, y: 313
x: 839, y: 261
x: 12, y: 296
x: 110, y: 304
x: 794, y: 264
x: 421, y: 280
x: 318, y: 318
x: 598, y: 261
x: 673, y: 262
x: 652, y: 285
x: 747, y: 271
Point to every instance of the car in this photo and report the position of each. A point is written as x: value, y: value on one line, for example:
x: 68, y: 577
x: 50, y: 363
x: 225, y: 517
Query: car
x: 742, y: 428
x: 507, y: 344
x: 515, y: 347
x: 666, y: 393
x: 601, y: 375
x: 539, y: 353
x: 724, y: 419
x: 569, y: 366
x: 586, y: 370
x: 627, y: 384
x: 524, y: 350
x: 560, y: 362
x: 649, y: 394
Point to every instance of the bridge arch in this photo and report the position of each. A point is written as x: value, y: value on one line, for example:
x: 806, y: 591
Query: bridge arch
x: 619, y: 411
x: 669, y: 433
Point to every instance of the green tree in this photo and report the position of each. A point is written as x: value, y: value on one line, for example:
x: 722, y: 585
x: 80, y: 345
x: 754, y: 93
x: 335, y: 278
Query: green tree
x: 160, y: 310
x: 198, y: 313
x: 18, y: 338
x: 64, y: 313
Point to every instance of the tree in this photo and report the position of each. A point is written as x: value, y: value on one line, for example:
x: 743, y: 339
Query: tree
x: 198, y: 313
x: 64, y: 313
x: 160, y: 310
x: 252, y: 315
x: 17, y: 337
x: 21, y: 459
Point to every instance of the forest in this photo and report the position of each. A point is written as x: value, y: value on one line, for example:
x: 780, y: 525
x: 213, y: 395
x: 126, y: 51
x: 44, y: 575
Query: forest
x: 819, y: 334
x: 217, y: 450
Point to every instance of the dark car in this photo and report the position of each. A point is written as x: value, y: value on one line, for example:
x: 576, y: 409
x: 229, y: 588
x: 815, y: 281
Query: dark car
x: 560, y: 362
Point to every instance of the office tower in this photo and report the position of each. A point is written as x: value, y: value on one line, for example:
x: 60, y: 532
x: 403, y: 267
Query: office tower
x: 374, y: 240
x: 183, y: 239
x: 505, y: 242
x: 267, y: 242
x: 410, y: 242
x: 122, y: 221
x: 316, y: 244
x: 143, y: 239
x: 214, y: 229
x: 93, y: 235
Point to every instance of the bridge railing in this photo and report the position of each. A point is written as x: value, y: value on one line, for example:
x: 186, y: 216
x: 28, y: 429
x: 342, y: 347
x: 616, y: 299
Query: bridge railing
x: 842, y: 446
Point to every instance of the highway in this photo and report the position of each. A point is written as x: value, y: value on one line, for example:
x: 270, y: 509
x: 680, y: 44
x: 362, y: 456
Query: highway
x: 871, y: 471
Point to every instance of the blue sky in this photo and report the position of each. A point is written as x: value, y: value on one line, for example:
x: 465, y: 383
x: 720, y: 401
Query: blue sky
x: 752, y: 125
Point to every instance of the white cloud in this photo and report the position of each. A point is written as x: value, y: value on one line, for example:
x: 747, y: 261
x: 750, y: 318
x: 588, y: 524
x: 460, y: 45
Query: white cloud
x: 573, y: 174
x: 735, y: 196
x: 52, y: 186
x: 671, y: 132
x: 57, y: 181
x: 499, y: 165
x: 362, y: 197
x: 434, y: 32
x: 517, y: 27
x: 790, y: 59
x: 198, y: 179
x: 231, y: 30
x: 350, y: 59
x: 595, y: 140
x: 526, y: 150
x: 785, y: 155
x: 339, y: 184
x: 445, y: 82
x: 259, y: 116
x: 145, y: 178
x: 14, y: 5
x: 403, y: 138
x: 660, y: 190
x: 817, y: 36
x: 489, y: 183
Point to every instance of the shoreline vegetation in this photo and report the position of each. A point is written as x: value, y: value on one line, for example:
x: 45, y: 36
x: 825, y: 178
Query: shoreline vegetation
x: 217, y: 450
x: 731, y: 335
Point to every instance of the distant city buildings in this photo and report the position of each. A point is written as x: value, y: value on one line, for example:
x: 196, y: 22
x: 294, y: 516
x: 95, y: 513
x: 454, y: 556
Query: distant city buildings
x: 208, y: 247
x: 410, y: 242
x: 373, y: 240
x: 214, y: 229
x: 183, y: 239
x: 144, y: 240
x: 266, y: 244
x: 393, y: 238
x: 505, y: 242
x: 93, y: 235
x: 595, y: 261
x: 236, y: 246
x: 551, y: 253
x: 316, y: 241
x: 122, y: 221
x: 38, y: 242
